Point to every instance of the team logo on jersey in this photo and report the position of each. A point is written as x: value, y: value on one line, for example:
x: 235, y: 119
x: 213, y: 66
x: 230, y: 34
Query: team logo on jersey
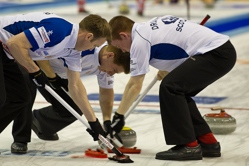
x: 133, y: 64
x: 50, y: 32
x: 39, y: 53
x: 45, y: 52
x: 169, y: 19
x: 44, y: 35
x: 110, y: 82
x: 132, y: 69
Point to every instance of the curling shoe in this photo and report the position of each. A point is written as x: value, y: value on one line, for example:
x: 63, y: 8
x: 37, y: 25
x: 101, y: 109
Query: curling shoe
x: 19, y: 148
x: 210, y: 150
x: 181, y: 152
x: 37, y: 129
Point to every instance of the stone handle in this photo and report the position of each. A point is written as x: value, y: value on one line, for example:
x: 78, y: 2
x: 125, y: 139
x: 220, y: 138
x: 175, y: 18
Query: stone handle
x: 218, y: 108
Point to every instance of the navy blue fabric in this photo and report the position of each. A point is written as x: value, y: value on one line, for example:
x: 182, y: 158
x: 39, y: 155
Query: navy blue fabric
x: 87, y: 52
x: 60, y: 29
x: 65, y: 64
x: 20, y: 26
x: 167, y: 52
x: 31, y: 40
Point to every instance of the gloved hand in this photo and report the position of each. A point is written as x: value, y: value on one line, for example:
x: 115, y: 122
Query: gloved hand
x: 55, y: 82
x: 39, y: 78
x: 117, y: 122
x: 108, y: 128
x: 95, y: 130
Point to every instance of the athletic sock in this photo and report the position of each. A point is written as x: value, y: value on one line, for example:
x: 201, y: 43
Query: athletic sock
x: 192, y: 144
x: 207, y: 138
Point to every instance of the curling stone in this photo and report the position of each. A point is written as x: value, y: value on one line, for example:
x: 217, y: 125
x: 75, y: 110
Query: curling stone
x: 221, y: 123
x: 128, y: 137
x: 124, y: 9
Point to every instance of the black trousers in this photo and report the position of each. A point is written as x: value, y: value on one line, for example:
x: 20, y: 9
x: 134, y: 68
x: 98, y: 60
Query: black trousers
x: 21, y: 130
x: 51, y: 118
x: 15, y: 96
x: 181, y: 119
x: 55, y: 117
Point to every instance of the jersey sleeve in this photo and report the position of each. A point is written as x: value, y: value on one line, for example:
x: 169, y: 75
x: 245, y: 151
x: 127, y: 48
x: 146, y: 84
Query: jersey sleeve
x: 48, y: 33
x: 140, y: 56
x: 105, y: 81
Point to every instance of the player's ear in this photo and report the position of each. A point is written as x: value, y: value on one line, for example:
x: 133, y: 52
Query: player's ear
x: 123, y: 35
x: 89, y: 36
x: 110, y: 55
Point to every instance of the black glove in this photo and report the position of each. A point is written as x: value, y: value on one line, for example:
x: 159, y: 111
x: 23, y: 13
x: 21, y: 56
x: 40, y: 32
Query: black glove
x: 56, y: 82
x: 95, y: 130
x: 118, y: 122
x: 108, y: 128
x: 39, y: 78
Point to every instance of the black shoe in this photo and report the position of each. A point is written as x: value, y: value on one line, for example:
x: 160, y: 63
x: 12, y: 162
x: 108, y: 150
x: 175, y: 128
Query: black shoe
x: 37, y: 129
x: 19, y: 148
x: 181, y: 152
x: 210, y: 150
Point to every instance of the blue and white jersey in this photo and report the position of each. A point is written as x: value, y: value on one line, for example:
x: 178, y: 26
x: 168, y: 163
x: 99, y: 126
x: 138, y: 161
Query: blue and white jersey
x: 89, y: 66
x: 166, y: 42
x: 50, y: 36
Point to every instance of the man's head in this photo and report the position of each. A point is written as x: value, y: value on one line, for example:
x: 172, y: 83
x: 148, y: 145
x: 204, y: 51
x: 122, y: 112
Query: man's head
x: 121, y: 27
x: 93, y: 32
x: 113, y: 60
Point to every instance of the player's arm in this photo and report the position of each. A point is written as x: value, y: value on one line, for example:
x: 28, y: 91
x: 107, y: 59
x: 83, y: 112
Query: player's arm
x: 161, y: 74
x: 131, y: 92
x: 106, y: 98
x: 18, y: 46
x: 79, y: 95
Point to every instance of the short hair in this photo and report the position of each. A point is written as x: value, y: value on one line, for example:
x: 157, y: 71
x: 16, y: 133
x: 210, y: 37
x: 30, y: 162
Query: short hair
x: 120, y: 24
x: 97, y: 25
x: 120, y: 58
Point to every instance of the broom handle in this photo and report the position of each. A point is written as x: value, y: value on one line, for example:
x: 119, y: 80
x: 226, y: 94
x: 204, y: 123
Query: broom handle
x: 66, y: 105
x: 83, y: 121
x: 114, y: 139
